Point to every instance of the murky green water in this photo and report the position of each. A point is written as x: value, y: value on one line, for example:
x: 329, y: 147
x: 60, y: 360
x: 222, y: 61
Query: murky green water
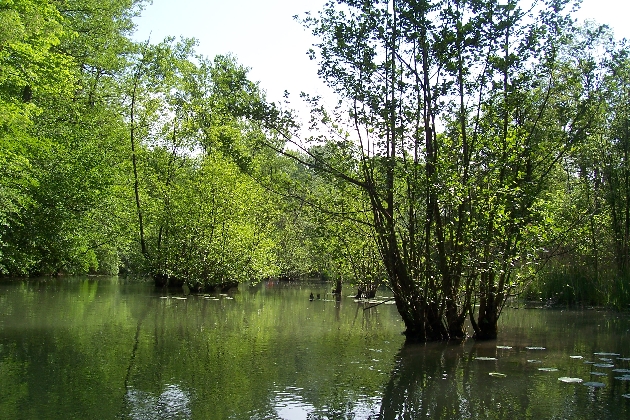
x: 107, y: 349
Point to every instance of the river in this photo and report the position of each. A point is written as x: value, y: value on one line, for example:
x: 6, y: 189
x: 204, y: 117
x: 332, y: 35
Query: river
x: 107, y: 348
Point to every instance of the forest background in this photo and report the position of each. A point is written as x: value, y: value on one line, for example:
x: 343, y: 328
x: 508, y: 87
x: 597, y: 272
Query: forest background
x: 478, y: 152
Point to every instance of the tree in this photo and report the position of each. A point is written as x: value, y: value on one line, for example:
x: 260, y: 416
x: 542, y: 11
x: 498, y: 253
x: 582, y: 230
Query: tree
x: 60, y: 62
x: 200, y: 220
x: 451, y: 210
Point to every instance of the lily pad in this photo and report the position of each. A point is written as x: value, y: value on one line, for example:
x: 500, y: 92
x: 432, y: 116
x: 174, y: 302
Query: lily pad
x: 568, y: 380
x: 497, y: 374
x: 605, y: 359
x: 607, y: 354
x: 599, y: 374
x: 535, y: 348
x: 623, y: 378
x: 576, y: 357
x: 548, y: 369
x: 621, y: 370
x: 588, y: 362
x: 485, y: 358
x: 504, y: 347
x: 625, y: 359
x: 594, y: 384
x: 604, y: 365
x: 625, y: 395
x: 534, y: 361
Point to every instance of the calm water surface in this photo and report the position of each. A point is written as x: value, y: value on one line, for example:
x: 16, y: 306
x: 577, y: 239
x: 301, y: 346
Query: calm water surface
x: 104, y: 348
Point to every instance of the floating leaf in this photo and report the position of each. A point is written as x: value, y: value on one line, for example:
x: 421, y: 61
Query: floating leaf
x: 504, y: 347
x: 535, y: 348
x: 625, y: 395
x: 607, y: 354
x: 623, y: 378
x: 621, y: 370
x: 568, y: 380
x: 497, y: 374
x: 594, y: 384
x: 534, y: 361
x: 548, y: 369
x: 625, y: 359
x: 576, y: 357
x: 599, y: 374
x: 588, y: 362
x: 603, y: 365
x: 485, y: 358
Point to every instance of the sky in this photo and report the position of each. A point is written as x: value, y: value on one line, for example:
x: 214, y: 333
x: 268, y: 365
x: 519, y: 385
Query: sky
x: 263, y: 36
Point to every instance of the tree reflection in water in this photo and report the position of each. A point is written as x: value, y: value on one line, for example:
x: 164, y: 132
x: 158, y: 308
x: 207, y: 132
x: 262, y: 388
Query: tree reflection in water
x: 422, y: 383
x: 483, y: 380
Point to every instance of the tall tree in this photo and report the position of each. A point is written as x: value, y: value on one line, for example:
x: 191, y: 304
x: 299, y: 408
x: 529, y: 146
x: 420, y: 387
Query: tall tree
x: 451, y: 209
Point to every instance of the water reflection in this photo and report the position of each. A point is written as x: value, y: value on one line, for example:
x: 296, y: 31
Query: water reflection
x: 292, y: 403
x: 423, y: 383
x: 109, y: 349
x: 497, y: 381
x: 172, y: 403
x: 289, y: 404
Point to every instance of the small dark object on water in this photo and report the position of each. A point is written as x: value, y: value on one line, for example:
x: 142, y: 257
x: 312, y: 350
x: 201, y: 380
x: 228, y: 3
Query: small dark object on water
x: 311, y: 296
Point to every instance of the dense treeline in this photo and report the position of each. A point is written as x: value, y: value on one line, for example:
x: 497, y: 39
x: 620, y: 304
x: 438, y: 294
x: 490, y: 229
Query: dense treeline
x: 480, y: 152
x: 143, y: 157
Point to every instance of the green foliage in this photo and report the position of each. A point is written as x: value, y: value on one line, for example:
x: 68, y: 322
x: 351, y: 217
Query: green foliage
x: 460, y: 215
x: 206, y: 226
x: 476, y: 152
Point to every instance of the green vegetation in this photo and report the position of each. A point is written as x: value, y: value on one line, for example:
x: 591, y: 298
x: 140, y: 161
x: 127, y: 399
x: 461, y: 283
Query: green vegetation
x: 480, y: 151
